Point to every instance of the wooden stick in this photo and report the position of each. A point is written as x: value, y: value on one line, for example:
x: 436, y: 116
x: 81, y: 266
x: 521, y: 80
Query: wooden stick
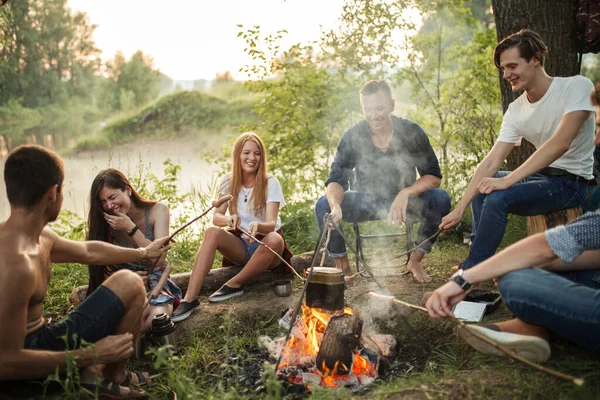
x: 271, y: 250
x: 493, y: 343
x: 324, y: 256
x: 215, y: 204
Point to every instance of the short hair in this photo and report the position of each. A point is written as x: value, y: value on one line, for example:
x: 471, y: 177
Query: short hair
x: 595, y: 95
x: 374, y: 86
x: 529, y: 43
x: 29, y: 172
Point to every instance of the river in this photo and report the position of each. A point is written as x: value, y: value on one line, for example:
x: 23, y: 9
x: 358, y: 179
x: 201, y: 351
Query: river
x: 81, y: 168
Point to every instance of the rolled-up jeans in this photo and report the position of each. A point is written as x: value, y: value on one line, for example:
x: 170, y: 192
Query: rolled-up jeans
x: 428, y: 208
x: 535, y: 195
x: 567, y: 304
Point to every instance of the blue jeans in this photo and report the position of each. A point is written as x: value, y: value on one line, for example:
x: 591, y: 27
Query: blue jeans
x: 567, y: 304
x: 537, y: 194
x: 429, y: 208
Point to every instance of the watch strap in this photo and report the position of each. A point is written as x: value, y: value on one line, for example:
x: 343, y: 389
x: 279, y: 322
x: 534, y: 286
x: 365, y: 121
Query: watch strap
x: 460, y: 281
x: 133, y: 231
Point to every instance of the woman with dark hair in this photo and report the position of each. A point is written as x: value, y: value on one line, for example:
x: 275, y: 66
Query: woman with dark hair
x: 119, y: 215
x: 254, y: 207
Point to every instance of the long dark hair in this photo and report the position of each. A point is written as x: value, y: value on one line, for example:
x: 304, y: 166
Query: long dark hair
x: 97, y: 227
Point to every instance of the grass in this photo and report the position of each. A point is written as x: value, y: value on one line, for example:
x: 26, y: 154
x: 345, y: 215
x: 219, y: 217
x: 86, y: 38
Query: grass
x: 220, y: 358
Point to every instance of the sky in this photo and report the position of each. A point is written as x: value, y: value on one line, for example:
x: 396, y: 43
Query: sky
x: 196, y: 39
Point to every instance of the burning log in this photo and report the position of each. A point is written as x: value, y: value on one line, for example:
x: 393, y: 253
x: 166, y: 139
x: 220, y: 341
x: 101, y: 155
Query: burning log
x: 340, y: 341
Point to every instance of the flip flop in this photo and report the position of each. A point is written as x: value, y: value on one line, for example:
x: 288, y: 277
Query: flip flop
x: 143, y: 378
x: 111, y: 391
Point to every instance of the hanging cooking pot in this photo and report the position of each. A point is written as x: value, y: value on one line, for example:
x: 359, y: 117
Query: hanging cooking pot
x: 325, y: 289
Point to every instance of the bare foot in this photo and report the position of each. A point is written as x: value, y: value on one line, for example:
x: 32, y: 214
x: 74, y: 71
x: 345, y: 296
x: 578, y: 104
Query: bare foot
x: 515, y: 325
x: 418, y: 272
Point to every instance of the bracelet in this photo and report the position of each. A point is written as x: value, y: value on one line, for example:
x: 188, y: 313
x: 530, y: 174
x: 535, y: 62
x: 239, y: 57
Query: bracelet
x: 133, y: 231
x: 144, y: 253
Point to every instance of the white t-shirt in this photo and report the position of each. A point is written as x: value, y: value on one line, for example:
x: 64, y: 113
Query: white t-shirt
x: 274, y: 195
x: 538, y: 121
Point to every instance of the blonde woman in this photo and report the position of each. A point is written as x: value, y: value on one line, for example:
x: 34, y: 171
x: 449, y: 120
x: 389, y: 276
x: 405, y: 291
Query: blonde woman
x: 254, y: 207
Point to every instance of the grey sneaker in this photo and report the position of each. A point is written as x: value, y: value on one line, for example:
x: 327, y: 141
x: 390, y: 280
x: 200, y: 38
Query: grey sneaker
x: 184, y: 310
x: 225, y: 293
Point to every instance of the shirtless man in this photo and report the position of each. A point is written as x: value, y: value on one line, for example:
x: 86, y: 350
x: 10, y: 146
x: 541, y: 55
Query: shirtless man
x: 32, y: 348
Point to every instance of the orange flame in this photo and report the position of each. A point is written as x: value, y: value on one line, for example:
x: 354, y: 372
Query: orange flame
x: 314, y: 322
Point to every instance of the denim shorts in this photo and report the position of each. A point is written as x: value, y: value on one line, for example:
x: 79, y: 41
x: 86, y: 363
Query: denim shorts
x: 96, y: 318
x: 250, y: 248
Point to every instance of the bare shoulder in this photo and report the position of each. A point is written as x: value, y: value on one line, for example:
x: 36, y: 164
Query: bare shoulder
x: 159, y: 210
x: 49, y: 237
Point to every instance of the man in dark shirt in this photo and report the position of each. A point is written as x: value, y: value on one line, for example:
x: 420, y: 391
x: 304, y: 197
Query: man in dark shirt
x: 381, y: 155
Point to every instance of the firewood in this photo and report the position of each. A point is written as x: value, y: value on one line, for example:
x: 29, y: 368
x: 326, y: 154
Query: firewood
x: 340, y: 341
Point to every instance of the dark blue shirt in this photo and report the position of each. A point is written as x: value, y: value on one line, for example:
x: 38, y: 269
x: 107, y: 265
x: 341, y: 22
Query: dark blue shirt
x: 371, y: 170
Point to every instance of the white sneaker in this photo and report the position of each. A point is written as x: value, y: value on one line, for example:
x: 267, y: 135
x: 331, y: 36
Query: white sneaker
x: 531, y: 348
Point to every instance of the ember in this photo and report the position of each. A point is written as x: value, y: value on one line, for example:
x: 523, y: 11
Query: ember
x: 328, y: 348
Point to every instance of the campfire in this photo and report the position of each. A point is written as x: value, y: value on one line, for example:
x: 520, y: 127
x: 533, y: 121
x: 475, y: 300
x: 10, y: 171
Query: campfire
x: 327, y: 345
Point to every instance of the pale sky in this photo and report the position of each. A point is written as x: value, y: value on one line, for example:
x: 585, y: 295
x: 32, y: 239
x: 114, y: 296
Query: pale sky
x: 194, y: 39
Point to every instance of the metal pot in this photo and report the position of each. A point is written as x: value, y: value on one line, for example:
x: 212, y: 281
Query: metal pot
x: 282, y: 288
x: 326, y: 289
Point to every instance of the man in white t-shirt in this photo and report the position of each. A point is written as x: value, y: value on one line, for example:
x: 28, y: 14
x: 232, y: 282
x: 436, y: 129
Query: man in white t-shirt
x: 556, y: 116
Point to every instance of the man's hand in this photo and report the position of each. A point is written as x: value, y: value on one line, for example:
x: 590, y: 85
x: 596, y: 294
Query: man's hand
x: 114, y: 348
x: 119, y: 221
x: 489, y: 185
x: 336, y: 215
x: 443, y: 298
x: 451, y: 220
x: 158, y: 247
x: 397, y: 214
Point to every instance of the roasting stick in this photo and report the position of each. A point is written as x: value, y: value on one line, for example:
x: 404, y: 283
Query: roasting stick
x: 163, y: 279
x: 215, y: 204
x: 245, y: 232
x: 497, y: 346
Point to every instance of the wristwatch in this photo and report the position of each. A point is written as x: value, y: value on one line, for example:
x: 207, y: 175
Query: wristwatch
x: 133, y: 231
x: 462, y: 282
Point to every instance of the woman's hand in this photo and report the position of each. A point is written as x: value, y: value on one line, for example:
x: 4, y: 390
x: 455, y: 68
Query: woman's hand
x: 119, y: 221
x: 253, y: 230
x: 232, y: 221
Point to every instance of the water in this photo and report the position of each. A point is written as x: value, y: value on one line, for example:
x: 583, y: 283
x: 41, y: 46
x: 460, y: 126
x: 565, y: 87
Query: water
x: 81, y: 168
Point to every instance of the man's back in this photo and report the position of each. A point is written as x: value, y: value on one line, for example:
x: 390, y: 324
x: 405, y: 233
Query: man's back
x: 24, y: 275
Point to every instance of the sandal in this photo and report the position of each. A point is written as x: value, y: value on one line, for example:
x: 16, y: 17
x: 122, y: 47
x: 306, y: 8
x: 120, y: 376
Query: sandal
x: 109, y: 390
x: 142, y: 378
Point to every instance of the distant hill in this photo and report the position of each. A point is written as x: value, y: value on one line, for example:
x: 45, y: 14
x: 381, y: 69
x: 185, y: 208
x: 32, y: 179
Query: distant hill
x: 177, y: 114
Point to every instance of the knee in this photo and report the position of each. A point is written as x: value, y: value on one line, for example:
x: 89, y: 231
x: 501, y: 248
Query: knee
x: 211, y: 233
x: 516, y: 284
x: 127, y: 285
x: 322, y: 207
x: 273, y: 240
x: 496, y: 200
x: 442, y: 201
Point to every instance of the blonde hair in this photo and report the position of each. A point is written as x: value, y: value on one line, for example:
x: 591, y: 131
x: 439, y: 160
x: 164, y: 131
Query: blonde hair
x: 258, y: 199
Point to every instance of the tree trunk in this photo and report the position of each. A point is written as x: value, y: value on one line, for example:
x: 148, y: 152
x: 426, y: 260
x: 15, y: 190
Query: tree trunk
x: 554, y: 21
